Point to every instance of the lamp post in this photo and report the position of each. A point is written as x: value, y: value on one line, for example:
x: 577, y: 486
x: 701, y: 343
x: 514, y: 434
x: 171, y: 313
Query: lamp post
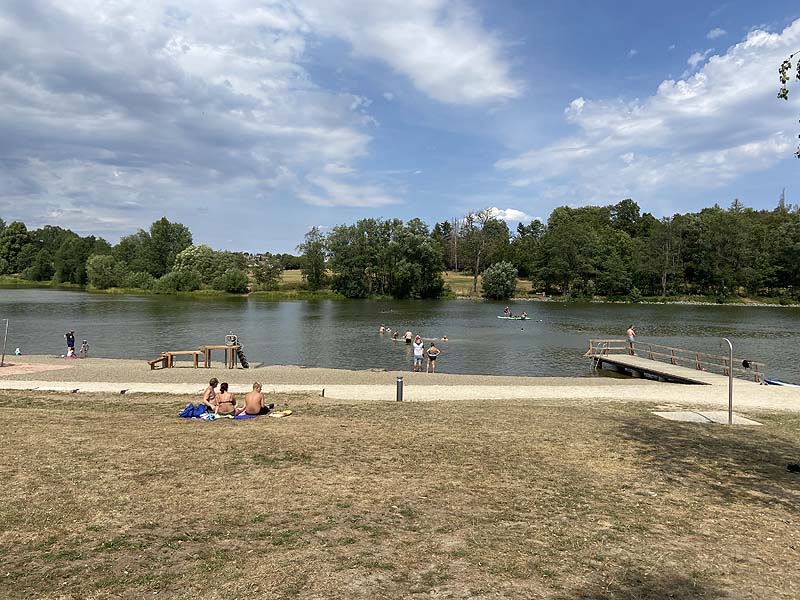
x: 730, y: 383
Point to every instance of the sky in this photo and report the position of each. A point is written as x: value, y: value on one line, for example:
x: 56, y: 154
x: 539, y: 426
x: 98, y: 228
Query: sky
x: 251, y: 121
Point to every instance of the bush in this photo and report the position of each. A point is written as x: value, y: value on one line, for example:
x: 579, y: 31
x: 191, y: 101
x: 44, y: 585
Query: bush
x: 500, y: 281
x: 635, y: 295
x: 233, y: 281
x: 177, y: 281
x: 139, y: 280
x: 104, y: 271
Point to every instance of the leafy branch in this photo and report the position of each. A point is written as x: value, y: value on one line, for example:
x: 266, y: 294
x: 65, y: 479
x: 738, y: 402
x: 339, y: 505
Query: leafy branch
x: 783, y: 92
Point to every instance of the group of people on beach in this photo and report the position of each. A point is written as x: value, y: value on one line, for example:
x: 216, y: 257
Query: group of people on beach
x: 223, y: 403
x: 70, y: 338
x: 420, y: 352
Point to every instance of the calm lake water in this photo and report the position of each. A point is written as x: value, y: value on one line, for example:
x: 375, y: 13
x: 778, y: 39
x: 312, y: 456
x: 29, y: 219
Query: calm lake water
x: 344, y: 334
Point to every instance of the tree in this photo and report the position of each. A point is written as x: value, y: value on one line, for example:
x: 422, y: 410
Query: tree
x: 783, y: 92
x: 267, y: 270
x: 233, y: 281
x: 500, y: 281
x: 167, y: 240
x: 14, y: 238
x: 202, y: 260
x: 104, y: 271
x: 313, y: 254
x: 475, y: 241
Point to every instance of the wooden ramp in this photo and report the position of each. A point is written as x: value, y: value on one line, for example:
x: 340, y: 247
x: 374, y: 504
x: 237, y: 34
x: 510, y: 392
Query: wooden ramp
x: 674, y: 365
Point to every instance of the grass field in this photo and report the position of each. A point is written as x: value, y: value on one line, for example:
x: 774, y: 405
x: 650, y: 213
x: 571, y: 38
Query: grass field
x: 461, y: 285
x: 111, y: 496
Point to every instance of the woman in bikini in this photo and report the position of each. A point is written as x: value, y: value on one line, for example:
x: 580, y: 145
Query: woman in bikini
x: 226, y: 404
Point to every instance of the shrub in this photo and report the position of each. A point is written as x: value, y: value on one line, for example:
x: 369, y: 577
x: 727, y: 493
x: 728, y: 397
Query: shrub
x: 500, y: 281
x: 177, y: 281
x: 104, y: 271
x: 139, y: 280
x: 233, y: 281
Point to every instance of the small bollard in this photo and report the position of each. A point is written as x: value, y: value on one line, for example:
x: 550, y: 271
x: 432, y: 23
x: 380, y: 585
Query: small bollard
x: 399, y: 389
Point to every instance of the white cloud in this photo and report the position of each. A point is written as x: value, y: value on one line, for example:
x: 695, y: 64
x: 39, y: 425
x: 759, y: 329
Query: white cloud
x: 388, y: 96
x: 441, y: 46
x: 328, y: 191
x: 698, y: 57
x: 703, y: 131
x: 716, y: 33
x: 632, y: 52
x: 671, y: 47
x: 510, y: 215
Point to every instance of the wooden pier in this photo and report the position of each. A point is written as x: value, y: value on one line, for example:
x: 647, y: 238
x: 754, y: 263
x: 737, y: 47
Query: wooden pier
x: 664, y: 363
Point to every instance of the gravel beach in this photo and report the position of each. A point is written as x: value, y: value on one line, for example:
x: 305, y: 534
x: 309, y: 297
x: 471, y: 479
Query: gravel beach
x: 134, y: 376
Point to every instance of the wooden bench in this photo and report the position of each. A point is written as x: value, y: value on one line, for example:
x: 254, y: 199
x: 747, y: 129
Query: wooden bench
x: 170, y: 356
x: 161, y: 361
x: 230, y: 354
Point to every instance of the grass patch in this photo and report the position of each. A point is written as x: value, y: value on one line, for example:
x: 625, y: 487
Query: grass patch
x: 117, y: 498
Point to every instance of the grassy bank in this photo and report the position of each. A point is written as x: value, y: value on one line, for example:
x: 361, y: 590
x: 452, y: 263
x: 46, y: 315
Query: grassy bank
x: 111, y: 497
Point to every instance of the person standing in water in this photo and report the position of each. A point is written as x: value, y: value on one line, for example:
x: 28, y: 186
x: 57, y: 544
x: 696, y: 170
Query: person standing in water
x: 433, y: 353
x: 419, y: 348
x: 408, y: 337
x: 631, y: 335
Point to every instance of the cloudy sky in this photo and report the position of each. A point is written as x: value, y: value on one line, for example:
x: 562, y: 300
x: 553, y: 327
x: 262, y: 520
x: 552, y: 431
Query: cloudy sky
x: 252, y: 121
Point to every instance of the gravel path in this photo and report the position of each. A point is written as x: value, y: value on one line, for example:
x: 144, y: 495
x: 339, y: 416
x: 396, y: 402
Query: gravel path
x: 135, y: 376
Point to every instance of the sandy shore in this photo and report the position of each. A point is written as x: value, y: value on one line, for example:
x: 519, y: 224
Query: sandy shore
x: 98, y: 375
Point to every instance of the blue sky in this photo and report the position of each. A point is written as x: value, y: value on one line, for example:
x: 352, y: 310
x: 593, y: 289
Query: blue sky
x: 252, y: 121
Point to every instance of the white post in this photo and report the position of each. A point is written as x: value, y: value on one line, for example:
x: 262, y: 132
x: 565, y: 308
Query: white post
x: 730, y: 383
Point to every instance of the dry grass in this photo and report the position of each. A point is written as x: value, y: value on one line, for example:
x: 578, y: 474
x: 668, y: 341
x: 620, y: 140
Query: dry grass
x: 113, y: 496
x: 291, y: 277
x: 461, y: 285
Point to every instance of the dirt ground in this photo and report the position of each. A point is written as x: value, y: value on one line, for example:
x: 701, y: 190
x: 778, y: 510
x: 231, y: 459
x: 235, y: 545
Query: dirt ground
x: 113, y: 496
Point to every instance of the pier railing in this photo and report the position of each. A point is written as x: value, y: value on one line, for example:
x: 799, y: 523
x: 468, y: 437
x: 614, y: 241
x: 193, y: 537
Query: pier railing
x: 701, y: 361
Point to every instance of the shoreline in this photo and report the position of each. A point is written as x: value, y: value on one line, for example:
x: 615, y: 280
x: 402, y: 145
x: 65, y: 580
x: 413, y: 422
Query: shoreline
x: 126, y: 376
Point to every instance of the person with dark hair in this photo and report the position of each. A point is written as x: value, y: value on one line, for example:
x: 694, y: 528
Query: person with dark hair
x: 433, y: 352
x: 70, y: 337
x: 631, y: 335
x: 226, y: 403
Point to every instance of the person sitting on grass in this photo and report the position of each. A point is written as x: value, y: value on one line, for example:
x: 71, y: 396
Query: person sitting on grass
x: 226, y: 403
x: 254, y: 402
x: 210, y: 395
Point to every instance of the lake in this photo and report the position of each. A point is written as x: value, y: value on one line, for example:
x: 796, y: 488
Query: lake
x: 344, y: 334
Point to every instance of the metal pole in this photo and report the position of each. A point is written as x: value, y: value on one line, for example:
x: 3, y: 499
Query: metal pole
x: 399, y: 389
x: 5, y: 337
x: 730, y: 383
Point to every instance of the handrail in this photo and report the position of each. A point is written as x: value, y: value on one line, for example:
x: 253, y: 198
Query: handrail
x: 604, y: 347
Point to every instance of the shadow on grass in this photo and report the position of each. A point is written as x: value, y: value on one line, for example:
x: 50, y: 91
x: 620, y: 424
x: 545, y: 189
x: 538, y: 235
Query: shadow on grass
x: 737, y: 464
x: 639, y: 585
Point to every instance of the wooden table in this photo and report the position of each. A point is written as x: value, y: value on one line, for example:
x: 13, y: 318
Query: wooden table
x: 170, y: 356
x: 230, y: 354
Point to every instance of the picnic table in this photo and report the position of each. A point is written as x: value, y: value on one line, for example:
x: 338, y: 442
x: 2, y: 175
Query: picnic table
x: 230, y: 354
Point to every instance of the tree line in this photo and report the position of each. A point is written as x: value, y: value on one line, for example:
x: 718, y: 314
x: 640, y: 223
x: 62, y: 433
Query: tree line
x: 161, y: 259
x: 613, y: 251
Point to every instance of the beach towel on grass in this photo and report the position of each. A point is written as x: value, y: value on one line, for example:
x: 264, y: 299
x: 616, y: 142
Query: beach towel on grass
x: 192, y: 411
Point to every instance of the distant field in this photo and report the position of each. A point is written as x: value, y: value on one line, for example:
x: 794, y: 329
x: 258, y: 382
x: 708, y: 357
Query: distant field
x: 461, y: 284
x: 292, y: 278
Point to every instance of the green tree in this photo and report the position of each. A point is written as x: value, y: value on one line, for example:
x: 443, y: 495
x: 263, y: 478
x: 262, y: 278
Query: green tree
x: 177, y: 281
x: 233, y: 281
x: 104, y: 271
x: 201, y: 259
x: 267, y: 271
x: 167, y: 240
x: 313, y: 255
x: 14, y: 239
x: 500, y: 281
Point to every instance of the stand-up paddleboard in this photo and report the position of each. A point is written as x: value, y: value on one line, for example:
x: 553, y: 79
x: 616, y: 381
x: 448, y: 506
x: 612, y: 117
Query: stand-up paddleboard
x: 779, y: 382
x: 515, y: 318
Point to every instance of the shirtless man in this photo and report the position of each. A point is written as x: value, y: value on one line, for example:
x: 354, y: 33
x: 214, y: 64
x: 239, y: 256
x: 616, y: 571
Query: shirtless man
x: 254, y: 402
x: 210, y: 395
x: 408, y: 337
x: 631, y: 335
x: 433, y: 352
x: 226, y: 403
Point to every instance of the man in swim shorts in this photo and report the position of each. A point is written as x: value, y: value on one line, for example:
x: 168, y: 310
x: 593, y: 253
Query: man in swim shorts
x: 254, y: 402
x: 408, y: 337
x: 631, y: 335
x: 419, y: 348
x: 210, y: 394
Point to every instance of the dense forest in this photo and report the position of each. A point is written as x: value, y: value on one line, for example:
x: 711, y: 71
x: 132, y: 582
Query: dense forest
x: 611, y: 251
